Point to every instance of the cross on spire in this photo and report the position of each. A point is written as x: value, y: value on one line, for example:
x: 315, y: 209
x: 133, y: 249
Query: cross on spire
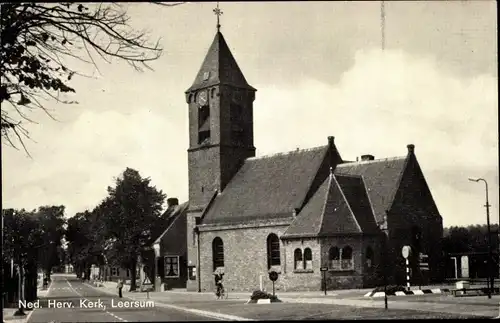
x: 218, y: 13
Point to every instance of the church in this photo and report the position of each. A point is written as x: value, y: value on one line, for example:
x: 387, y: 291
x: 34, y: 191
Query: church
x: 314, y: 218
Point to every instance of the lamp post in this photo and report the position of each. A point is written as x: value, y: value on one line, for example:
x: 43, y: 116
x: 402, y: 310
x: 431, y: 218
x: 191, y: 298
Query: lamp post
x: 490, y: 255
x: 156, y: 247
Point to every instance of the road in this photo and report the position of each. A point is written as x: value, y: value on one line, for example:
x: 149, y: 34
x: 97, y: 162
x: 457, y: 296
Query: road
x: 70, y: 300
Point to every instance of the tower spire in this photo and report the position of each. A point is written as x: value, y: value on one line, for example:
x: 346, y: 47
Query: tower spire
x: 218, y: 13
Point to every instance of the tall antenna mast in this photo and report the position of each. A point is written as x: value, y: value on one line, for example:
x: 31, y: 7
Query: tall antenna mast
x: 382, y: 23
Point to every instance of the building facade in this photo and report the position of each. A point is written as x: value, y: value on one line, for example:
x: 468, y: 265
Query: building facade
x: 294, y: 212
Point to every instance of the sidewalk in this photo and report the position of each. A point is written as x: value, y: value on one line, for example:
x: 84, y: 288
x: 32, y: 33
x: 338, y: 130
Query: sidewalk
x: 183, y: 295
x: 476, y: 306
x: 8, y: 313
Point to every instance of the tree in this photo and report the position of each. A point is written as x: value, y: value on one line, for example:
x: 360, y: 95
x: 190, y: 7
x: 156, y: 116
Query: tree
x: 22, y: 235
x: 130, y: 214
x: 40, y: 40
x: 80, y: 241
x: 51, y: 221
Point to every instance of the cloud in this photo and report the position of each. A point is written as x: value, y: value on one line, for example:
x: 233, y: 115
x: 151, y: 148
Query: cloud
x: 385, y: 101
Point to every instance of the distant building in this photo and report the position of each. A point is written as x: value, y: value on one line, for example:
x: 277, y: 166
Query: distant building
x: 298, y: 211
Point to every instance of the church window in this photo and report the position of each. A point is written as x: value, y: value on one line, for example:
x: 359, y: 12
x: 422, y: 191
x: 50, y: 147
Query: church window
x: 171, y: 266
x: 369, y: 258
x: 416, y: 237
x: 236, y: 112
x: 203, y: 124
x: 297, y: 258
x: 341, y: 259
x: 217, y: 253
x: 273, y: 251
x: 212, y: 93
x: 308, y: 259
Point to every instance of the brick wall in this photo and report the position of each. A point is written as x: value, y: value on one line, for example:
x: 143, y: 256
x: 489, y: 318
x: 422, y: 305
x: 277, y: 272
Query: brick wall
x: 245, y: 258
x: 300, y: 279
x: 343, y: 279
x: 414, y: 207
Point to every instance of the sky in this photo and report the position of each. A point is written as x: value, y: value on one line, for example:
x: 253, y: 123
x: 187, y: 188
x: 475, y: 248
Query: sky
x: 319, y: 71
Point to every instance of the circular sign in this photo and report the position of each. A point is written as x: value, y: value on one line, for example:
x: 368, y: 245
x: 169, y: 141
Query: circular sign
x: 273, y: 276
x: 406, y: 251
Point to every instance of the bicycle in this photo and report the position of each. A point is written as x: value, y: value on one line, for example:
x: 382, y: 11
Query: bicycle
x: 221, y: 293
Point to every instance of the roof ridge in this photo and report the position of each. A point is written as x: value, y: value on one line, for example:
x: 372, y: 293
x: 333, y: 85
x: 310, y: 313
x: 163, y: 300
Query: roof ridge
x: 323, y: 209
x: 369, y: 200
x: 400, y: 177
x: 363, y: 162
x: 287, y: 152
x: 348, y: 205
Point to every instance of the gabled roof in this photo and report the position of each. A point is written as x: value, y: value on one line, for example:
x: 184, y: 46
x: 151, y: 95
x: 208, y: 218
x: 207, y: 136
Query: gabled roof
x: 219, y: 67
x: 354, y: 190
x: 170, y: 215
x: 381, y: 177
x: 267, y: 187
x: 327, y: 213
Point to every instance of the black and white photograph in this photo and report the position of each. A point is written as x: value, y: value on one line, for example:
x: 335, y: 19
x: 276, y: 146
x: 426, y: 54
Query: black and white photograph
x: 215, y: 161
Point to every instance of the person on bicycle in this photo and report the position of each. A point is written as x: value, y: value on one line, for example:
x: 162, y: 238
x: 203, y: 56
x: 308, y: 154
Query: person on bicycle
x: 218, y: 283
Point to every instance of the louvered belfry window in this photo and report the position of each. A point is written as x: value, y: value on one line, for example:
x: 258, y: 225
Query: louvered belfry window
x: 273, y: 251
x: 218, y: 253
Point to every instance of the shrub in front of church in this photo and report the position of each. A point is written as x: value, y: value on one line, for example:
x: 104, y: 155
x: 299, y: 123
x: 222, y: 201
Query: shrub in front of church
x: 258, y: 294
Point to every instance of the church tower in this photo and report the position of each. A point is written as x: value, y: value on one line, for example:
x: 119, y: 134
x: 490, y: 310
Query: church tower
x: 220, y: 105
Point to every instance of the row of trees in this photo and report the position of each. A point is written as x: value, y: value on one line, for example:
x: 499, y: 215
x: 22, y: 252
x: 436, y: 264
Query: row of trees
x: 120, y: 228
x: 32, y: 240
x: 473, y: 238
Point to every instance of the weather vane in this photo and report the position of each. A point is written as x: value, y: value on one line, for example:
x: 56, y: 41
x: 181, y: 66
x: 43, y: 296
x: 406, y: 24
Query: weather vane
x: 218, y: 13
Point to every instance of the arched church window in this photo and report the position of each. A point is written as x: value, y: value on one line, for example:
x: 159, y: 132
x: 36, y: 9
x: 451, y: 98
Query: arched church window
x: 333, y: 256
x: 217, y: 253
x: 308, y: 259
x: 369, y: 258
x: 273, y: 251
x: 346, y: 258
x: 297, y: 258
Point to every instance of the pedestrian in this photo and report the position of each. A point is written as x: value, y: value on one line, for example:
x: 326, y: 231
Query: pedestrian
x: 120, y: 286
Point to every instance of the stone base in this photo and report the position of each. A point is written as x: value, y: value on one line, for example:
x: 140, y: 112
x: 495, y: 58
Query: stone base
x: 264, y: 301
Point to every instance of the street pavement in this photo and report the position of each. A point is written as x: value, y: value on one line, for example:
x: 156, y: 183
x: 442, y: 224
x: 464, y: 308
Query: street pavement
x: 70, y: 300
x: 67, y: 290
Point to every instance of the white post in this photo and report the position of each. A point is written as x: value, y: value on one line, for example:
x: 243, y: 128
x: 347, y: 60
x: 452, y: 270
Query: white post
x: 456, y: 266
x: 407, y: 274
x: 260, y: 280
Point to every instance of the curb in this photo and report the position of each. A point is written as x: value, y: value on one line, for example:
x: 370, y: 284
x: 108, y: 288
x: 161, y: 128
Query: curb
x: 219, y: 316
x: 409, y: 292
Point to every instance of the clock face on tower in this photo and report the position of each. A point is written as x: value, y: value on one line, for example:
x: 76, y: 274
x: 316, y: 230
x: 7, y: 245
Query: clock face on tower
x: 202, y: 98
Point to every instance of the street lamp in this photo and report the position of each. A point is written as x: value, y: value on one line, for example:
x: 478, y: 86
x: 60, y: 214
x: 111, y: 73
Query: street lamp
x: 490, y: 257
x: 156, y: 247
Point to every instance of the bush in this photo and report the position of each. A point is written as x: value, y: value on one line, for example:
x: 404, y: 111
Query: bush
x: 391, y: 289
x: 258, y: 294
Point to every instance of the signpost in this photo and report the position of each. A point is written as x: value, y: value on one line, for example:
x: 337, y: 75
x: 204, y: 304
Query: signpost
x: 423, y: 266
x: 273, y: 276
x: 324, y: 270
x: 406, y: 254
x: 146, y: 280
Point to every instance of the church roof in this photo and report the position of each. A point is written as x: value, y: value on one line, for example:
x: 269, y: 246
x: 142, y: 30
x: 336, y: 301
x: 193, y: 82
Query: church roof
x: 170, y: 216
x: 328, y: 212
x: 219, y: 67
x: 267, y: 187
x: 381, y: 177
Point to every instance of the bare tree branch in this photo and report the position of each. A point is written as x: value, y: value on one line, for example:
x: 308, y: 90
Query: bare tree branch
x: 38, y: 40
